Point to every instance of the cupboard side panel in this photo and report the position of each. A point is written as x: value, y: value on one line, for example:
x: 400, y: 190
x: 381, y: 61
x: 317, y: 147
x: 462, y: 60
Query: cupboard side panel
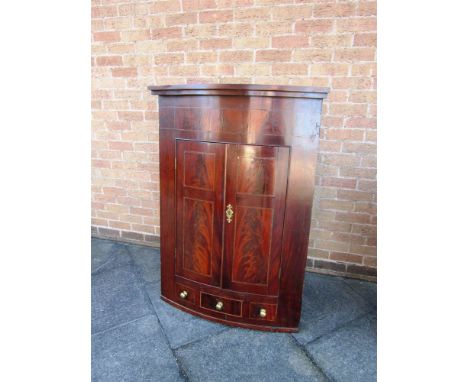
x: 301, y: 185
x: 167, y: 208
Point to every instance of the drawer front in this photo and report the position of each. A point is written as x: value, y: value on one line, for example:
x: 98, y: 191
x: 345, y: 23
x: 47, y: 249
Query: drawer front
x: 221, y: 304
x: 185, y: 294
x: 262, y: 311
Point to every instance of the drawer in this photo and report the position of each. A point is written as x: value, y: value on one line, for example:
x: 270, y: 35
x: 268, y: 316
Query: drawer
x: 262, y: 311
x: 221, y: 304
x: 185, y: 294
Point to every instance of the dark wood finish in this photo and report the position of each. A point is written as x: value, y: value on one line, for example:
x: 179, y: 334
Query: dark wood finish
x: 200, y: 208
x: 254, y: 147
x: 256, y: 183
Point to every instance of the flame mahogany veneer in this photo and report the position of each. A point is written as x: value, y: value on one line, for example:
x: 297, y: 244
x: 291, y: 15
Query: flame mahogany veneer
x: 237, y: 166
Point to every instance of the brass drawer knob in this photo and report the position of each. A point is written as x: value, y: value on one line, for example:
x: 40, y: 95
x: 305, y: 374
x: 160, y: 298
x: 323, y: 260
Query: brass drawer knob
x: 262, y: 313
x: 219, y: 305
x: 183, y: 294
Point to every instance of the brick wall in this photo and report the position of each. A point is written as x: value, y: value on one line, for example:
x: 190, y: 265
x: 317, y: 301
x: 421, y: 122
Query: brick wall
x: 318, y: 43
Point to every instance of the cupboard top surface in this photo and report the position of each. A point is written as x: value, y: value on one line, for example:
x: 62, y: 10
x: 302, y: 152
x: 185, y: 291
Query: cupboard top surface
x: 241, y: 90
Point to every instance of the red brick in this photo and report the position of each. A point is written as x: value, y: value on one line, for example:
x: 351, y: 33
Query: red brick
x: 181, y: 19
x: 118, y: 125
x: 313, y: 55
x: 352, y: 83
x: 142, y: 211
x: 367, y: 8
x: 356, y: 195
x: 357, y: 25
x: 363, y: 96
x: 201, y: 57
x: 334, y: 10
x: 346, y: 257
x: 252, y: 14
x: 365, y: 207
x: 289, y: 69
x: 354, y: 54
x: 366, y: 173
x: 361, y: 148
x: 272, y: 55
x: 365, y: 39
x: 198, y: 5
x: 216, y: 16
x: 348, y: 109
x: 106, y: 36
x: 162, y: 33
x: 217, y: 70
x: 124, y: 72
x: 237, y: 30
x: 331, y: 40
x: 370, y: 261
x: 353, y: 217
x: 131, y: 115
x: 169, y: 58
x: 109, y: 61
x: 339, y: 182
x: 272, y: 28
x: 367, y: 185
x: 182, y: 45
x: 363, y: 249
x: 216, y: 43
x: 291, y: 13
x: 100, y: 163
x: 340, y: 159
x: 167, y: 6
x: 361, y: 122
x: 311, y: 26
x: 330, y: 69
x: 342, y: 205
x: 236, y: 56
x: 288, y: 42
x: 121, y: 146
x: 331, y: 147
x: 100, y: 12
x: 345, y: 134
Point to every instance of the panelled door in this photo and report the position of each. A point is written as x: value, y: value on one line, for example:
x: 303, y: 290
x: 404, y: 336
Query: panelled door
x: 256, y: 182
x: 230, y: 212
x: 200, y: 210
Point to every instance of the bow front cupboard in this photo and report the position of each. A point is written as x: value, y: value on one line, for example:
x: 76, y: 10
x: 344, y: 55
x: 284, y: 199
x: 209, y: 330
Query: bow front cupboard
x: 237, y: 166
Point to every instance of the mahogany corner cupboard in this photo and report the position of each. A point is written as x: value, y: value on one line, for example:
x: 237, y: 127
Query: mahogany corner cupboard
x: 237, y: 166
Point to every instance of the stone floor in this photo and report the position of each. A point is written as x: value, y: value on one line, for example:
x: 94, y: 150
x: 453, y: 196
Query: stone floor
x: 138, y: 337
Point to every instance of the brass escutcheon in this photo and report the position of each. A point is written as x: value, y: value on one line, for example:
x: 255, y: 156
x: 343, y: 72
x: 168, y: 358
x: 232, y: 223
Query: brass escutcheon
x: 229, y: 213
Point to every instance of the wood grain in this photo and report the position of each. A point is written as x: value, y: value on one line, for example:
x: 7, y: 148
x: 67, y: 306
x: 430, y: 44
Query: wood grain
x: 254, y: 147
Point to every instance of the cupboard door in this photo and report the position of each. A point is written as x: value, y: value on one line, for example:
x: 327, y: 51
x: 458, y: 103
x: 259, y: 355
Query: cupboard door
x: 256, y: 182
x: 199, y: 210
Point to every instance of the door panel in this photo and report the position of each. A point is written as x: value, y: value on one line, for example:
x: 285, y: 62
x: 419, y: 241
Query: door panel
x: 200, y: 208
x: 256, y: 182
x: 252, y: 244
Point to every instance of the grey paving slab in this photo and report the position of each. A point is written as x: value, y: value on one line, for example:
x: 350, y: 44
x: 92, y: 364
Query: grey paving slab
x: 100, y: 252
x: 366, y: 289
x: 245, y: 355
x: 327, y: 303
x: 117, y: 297
x: 181, y: 328
x: 350, y: 353
x: 147, y: 262
x: 133, y: 352
x: 105, y: 256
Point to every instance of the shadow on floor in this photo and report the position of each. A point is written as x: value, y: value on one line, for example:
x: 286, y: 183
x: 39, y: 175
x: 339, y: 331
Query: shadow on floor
x: 138, y: 337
